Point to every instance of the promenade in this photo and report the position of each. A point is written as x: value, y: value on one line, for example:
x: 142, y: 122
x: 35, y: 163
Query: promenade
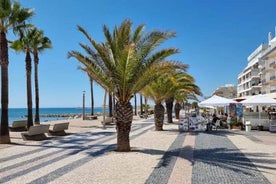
x: 86, y: 155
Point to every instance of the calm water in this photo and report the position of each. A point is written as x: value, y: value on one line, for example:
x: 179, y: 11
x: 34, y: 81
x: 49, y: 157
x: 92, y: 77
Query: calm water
x: 20, y: 113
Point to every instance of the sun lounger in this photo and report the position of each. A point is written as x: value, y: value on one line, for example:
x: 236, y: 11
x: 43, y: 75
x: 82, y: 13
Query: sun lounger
x: 58, y: 128
x: 36, y: 132
x: 19, y: 125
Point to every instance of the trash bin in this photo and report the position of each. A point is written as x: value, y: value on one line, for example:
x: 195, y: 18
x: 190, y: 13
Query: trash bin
x: 247, y: 126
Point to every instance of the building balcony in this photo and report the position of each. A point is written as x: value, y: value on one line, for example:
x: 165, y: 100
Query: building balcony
x: 256, y: 86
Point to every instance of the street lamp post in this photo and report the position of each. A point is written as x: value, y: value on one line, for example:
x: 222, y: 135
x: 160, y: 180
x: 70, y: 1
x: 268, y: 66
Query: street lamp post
x: 83, y: 105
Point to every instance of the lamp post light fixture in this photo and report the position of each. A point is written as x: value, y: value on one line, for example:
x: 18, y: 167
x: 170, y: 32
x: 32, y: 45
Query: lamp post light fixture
x: 83, y: 105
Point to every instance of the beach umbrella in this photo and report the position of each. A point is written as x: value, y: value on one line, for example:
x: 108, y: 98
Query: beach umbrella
x: 216, y: 101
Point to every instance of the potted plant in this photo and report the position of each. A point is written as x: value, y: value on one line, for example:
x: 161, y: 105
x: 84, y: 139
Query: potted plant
x: 235, y: 124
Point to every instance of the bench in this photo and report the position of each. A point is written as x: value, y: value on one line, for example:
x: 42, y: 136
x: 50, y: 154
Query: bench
x: 36, y: 132
x: 108, y: 121
x: 91, y: 117
x: 58, y: 129
x: 18, y: 125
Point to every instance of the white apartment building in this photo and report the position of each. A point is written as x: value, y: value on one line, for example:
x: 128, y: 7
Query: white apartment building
x: 259, y: 76
x: 268, y: 69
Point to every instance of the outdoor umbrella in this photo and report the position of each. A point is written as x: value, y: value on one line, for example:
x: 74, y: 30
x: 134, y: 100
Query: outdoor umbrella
x: 216, y: 101
x: 259, y: 100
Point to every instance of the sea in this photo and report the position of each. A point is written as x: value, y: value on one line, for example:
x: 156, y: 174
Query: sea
x: 51, y: 114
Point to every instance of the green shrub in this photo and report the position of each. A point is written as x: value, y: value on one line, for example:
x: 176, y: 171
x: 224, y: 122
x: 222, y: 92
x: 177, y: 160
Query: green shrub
x: 236, y: 123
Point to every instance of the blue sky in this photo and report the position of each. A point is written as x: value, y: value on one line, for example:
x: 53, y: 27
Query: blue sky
x: 215, y: 37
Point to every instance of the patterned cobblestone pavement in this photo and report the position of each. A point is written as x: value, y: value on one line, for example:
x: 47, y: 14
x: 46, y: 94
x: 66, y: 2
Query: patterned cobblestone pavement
x: 59, y: 149
x: 217, y: 157
x: 162, y: 172
x: 218, y: 160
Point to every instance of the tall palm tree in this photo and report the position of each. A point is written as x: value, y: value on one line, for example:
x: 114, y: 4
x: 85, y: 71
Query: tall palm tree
x: 24, y: 44
x: 124, y: 64
x: 39, y: 44
x: 12, y: 17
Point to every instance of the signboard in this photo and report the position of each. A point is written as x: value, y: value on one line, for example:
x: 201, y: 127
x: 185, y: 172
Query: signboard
x: 232, y: 111
x: 239, y: 110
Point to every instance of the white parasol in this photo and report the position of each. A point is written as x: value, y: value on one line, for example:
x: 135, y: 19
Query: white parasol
x: 259, y: 100
x: 216, y: 101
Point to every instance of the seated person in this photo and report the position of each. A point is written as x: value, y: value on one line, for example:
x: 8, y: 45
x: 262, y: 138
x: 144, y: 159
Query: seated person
x: 209, y: 124
x: 215, y: 118
x: 225, y: 116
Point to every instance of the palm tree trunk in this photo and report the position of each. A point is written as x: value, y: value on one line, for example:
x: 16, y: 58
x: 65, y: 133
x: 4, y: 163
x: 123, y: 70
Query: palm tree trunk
x: 104, y: 105
x: 169, y: 107
x: 4, y: 58
x: 146, y: 108
x: 177, y: 108
x: 124, y: 116
x: 37, y: 119
x: 159, y: 111
x: 141, y: 104
x: 110, y: 105
x: 135, y: 105
x: 29, y: 89
x: 92, y: 96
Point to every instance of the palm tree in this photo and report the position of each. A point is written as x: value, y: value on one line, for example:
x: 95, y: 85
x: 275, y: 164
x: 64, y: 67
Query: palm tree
x: 12, y: 17
x: 124, y: 64
x: 180, y: 98
x: 157, y: 92
x: 166, y: 87
x: 39, y: 44
x: 182, y: 83
x: 24, y: 43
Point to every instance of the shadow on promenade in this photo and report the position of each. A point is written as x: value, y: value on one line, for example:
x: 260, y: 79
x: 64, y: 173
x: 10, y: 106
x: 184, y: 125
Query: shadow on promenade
x: 219, y: 151
x: 219, y: 155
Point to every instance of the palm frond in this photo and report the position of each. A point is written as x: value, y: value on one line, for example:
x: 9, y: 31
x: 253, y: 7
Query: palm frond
x: 128, y: 59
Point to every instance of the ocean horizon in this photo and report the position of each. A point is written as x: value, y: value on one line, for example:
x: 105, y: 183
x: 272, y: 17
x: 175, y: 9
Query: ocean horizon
x: 21, y: 113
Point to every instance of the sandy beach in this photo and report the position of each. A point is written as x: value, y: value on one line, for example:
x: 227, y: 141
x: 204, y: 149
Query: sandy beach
x: 86, y: 155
